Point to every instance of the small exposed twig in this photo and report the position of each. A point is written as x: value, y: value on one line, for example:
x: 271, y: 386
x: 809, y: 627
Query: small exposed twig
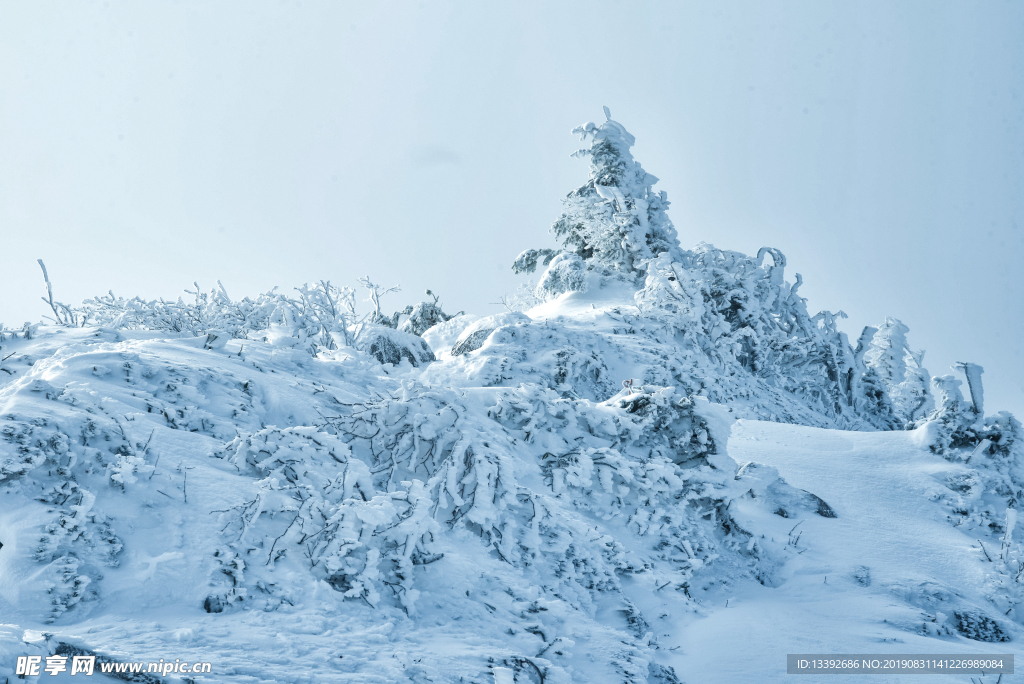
x: 539, y: 673
x: 271, y: 554
x: 156, y: 462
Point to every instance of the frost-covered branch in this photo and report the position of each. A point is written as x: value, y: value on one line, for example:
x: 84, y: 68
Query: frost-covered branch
x: 62, y: 313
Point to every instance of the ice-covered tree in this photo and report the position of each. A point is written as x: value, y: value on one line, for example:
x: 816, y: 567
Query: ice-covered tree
x: 953, y: 416
x: 901, y: 371
x: 742, y: 315
x: 873, y: 401
x: 887, y: 350
x: 616, y: 221
x: 912, y: 396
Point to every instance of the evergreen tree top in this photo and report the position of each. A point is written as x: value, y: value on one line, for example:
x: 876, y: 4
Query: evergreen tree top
x: 616, y: 222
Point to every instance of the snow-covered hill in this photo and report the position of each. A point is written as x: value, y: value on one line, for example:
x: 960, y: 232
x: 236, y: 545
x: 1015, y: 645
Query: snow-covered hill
x: 159, y: 501
x: 659, y: 468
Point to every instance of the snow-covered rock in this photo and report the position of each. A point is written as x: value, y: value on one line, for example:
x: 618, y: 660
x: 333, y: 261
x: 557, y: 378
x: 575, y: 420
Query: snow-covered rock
x: 388, y: 345
x: 474, y: 335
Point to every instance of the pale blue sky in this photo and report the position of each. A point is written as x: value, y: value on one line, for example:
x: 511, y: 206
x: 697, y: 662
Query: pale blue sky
x: 880, y: 145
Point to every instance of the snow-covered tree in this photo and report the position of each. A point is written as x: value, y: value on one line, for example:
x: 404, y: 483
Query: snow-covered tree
x: 741, y: 314
x: 901, y: 371
x: 873, y: 401
x: 952, y: 418
x: 912, y: 397
x: 972, y: 372
x: 616, y: 221
x: 887, y: 350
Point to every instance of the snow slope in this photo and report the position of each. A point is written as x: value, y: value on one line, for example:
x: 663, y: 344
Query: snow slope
x: 332, y: 519
x: 884, y: 576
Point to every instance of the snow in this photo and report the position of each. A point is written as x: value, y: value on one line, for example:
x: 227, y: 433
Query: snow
x: 871, y: 579
x: 887, y: 530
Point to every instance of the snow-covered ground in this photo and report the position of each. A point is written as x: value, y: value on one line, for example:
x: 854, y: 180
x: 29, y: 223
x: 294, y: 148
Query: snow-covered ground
x: 883, y: 576
x: 150, y: 422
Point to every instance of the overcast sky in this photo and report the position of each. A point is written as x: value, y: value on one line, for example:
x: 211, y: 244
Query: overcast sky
x: 880, y: 145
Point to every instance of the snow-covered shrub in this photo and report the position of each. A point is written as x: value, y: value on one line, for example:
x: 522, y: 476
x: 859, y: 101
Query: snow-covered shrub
x: 991, y: 450
x: 376, y: 316
x: 421, y: 434
x: 523, y: 299
x: 979, y: 627
x: 29, y: 450
x: 77, y: 530
x: 351, y: 535
x: 959, y: 424
x: 77, y: 538
x: 566, y: 273
x: 672, y: 425
x: 442, y: 337
x: 321, y: 313
x: 675, y: 295
x: 72, y: 546
x: 912, y: 398
x: 425, y: 315
x: 637, y: 477
x: 321, y: 317
x: 510, y: 349
x: 207, y: 311
x: 887, y: 351
x: 67, y: 586
x: 659, y: 468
